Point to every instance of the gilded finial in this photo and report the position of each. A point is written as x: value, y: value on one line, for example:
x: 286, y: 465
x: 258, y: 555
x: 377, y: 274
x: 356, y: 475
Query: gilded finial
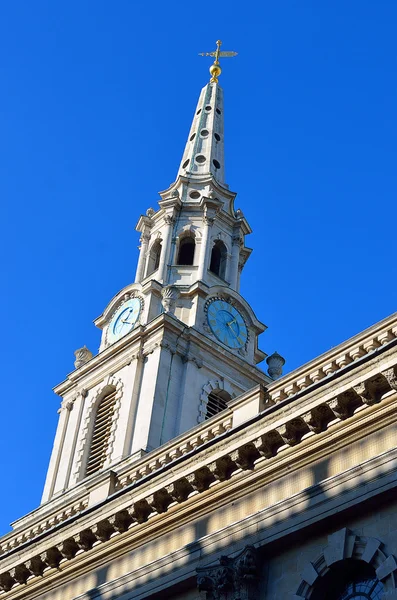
x: 215, y: 68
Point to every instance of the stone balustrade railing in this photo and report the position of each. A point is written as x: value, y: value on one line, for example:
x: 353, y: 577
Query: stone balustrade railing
x: 334, y: 360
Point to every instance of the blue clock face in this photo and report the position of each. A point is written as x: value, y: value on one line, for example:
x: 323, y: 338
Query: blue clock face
x: 124, y: 320
x: 227, y: 324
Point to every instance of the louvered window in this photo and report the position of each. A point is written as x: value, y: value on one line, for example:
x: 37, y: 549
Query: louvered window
x: 216, y: 402
x: 101, y: 433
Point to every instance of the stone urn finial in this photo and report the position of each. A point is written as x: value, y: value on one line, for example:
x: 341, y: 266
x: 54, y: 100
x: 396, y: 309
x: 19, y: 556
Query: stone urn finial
x: 275, y: 365
x: 170, y: 295
x: 150, y: 213
x: 83, y: 355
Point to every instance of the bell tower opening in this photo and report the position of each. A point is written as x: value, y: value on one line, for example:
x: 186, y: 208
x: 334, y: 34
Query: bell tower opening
x: 100, y: 433
x: 218, y: 259
x: 217, y: 401
x: 154, y: 258
x: 186, y: 251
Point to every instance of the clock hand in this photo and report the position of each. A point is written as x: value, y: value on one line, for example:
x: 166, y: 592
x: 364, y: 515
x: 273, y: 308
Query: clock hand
x: 234, y: 333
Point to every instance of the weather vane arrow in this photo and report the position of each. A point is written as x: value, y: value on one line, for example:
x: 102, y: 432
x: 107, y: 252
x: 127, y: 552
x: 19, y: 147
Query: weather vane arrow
x: 215, y: 68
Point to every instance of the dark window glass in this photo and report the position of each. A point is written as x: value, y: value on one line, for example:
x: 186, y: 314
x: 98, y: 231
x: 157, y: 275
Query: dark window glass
x: 370, y: 589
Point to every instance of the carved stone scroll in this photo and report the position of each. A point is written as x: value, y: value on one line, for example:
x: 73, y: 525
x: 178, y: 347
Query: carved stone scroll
x: 231, y: 578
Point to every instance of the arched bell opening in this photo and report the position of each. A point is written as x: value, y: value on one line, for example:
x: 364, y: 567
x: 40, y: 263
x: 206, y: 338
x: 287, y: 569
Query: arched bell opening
x: 216, y: 402
x: 154, y: 258
x: 100, y: 434
x: 218, y: 259
x: 186, y: 251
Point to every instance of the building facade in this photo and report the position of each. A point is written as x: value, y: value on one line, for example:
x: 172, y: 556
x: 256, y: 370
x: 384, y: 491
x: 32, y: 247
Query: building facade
x: 179, y: 468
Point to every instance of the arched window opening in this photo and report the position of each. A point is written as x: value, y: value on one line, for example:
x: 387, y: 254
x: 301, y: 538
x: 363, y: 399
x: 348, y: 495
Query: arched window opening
x: 217, y: 401
x: 218, y: 259
x: 186, y: 251
x: 349, y: 579
x: 154, y: 258
x: 101, y: 433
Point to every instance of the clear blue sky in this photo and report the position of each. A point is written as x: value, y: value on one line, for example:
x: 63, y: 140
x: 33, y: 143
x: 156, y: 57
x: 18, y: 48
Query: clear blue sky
x: 96, y: 103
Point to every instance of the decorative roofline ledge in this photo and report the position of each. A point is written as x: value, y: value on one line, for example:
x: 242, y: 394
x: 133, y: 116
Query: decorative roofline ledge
x: 334, y: 360
x: 257, y: 444
x: 257, y: 405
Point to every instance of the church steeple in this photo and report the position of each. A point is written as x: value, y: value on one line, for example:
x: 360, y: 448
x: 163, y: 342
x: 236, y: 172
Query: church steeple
x: 204, y: 150
x: 180, y: 341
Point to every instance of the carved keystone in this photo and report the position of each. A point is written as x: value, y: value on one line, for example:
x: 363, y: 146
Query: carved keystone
x: 69, y: 548
x: 180, y: 490
x: 367, y: 393
x: 339, y: 408
x: 141, y: 511
x: 122, y: 520
x: 21, y: 574
x: 103, y: 530
x: 6, y: 581
x: 293, y: 431
x: 36, y: 566
x: 223, y: 468
x: 201, y: 479
x: 246, y: 456
x: 85, y: 540
x: 318, y: 418
x: 269, y: 443
x: 161, y: 500
x: 390, y: 376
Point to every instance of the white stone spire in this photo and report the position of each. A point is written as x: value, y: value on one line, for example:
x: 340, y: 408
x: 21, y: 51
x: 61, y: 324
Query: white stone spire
x: 204, y: 151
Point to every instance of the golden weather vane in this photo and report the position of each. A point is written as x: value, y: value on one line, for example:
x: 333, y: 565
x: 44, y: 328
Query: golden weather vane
x: 215, y: 69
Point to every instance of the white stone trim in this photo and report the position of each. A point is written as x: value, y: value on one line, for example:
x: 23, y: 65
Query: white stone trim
x: 83, y: 445
x: 189, y: 230
x: 220, y: 236
x: 345, y: 544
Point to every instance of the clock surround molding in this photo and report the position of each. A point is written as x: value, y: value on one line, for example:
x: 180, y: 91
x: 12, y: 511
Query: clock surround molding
x: 127, y: 296
x: 224, y: 297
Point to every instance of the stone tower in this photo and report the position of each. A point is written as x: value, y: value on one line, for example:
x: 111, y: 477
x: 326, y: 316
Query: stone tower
x: 180, y: 342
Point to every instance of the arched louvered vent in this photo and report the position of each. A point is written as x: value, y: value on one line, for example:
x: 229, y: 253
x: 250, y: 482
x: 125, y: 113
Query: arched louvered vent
x: 216, y: 402
x: 101, y: 433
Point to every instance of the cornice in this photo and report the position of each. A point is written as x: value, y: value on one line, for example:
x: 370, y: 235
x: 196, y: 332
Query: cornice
x: 203, y: 180
x: 334, y: 360
x: 116, y: 355
x: 231, y: 464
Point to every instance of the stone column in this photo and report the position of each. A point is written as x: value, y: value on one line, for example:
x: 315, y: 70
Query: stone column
x: 165, y: 250
x: 203, y: 259
x: 233, y: 271
x: 52, y: 472
x: 239, y: 271
x: 145, y: 237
